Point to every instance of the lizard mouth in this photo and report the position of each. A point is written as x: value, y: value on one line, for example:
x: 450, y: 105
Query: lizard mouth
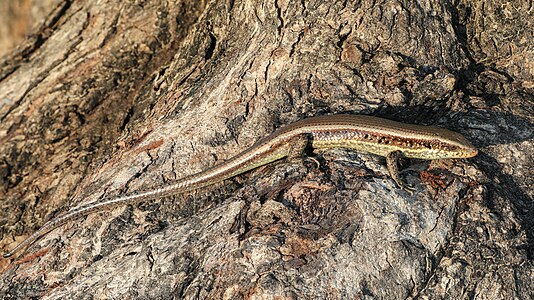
x: 470, y: 152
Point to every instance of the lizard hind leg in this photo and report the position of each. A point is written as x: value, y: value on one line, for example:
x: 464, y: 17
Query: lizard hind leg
x: 297, y: 146
x: 392, y: 160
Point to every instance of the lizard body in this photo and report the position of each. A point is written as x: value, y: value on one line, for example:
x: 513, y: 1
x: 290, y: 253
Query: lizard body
x: 357, y: 132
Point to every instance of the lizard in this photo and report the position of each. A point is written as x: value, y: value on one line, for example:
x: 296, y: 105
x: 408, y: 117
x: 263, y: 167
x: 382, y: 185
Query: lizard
x: 362, y: 133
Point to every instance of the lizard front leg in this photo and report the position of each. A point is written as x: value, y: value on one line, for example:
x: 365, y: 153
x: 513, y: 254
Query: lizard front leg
x: 392, y: 160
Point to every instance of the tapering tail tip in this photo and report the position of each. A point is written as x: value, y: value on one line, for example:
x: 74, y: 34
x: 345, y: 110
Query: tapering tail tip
x: 15, y: 250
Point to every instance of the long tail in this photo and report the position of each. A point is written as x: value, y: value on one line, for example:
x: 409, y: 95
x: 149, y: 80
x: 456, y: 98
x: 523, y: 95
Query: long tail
x: 93, y: 207
x: 241, y: 163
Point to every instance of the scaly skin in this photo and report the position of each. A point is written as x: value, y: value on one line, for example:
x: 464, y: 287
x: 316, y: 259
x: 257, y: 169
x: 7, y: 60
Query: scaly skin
x: 357, y: 132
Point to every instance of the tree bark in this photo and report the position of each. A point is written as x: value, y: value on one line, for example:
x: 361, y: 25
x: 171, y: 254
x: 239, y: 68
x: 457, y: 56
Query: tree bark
x: 113, y: 97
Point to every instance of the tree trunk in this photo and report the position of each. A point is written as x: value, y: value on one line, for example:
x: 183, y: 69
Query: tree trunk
x: 115, y: 97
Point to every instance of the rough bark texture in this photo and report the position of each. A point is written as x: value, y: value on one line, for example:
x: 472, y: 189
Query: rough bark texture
x: 122, y: 96
x: 19, y: 18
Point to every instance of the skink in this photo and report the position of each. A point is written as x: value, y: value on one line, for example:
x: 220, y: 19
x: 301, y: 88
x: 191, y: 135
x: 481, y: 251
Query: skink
x: 357, y: 132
